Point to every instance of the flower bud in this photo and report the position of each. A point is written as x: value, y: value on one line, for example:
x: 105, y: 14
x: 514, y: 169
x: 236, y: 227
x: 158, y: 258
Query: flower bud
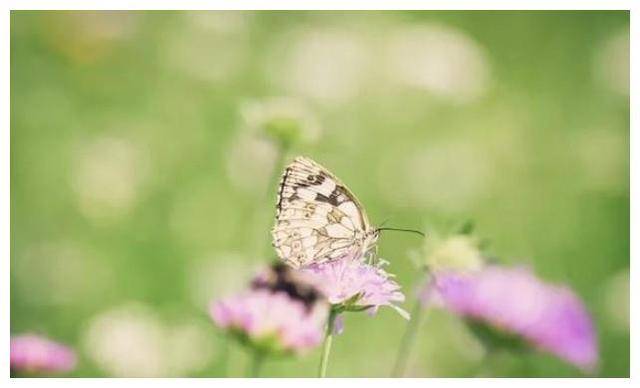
x: 457, y: 252
x: 284, y: 121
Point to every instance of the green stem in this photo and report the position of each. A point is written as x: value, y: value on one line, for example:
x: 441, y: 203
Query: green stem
x: 281, y: 153
x: 223, y: 360
x: 255, y: 366
x: 408, y: 338
x: 326, y: 346
x: 407, y: 342
x: 262, y: 246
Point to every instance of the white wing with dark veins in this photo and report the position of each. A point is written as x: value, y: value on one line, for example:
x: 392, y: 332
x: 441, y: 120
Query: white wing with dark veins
x: 317, y: 218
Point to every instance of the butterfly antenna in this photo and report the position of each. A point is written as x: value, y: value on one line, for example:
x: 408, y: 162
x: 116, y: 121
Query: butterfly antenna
x: 404, y: 230
x: 384, y: 222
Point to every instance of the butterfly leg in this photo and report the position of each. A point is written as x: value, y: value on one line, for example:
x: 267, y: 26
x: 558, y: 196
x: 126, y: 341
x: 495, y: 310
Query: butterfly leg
x: 372, y: 255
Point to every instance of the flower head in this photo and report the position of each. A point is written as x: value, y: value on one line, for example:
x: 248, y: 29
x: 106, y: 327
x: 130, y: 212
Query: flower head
x: 270, y: 321
x: 276, y: 315
x: 550, y: 317
x: 355, y: 285
x: 36, y: 354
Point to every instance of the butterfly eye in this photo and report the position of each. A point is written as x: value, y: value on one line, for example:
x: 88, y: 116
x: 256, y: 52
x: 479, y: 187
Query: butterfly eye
x: 307, y: 215
x: 311, y: 178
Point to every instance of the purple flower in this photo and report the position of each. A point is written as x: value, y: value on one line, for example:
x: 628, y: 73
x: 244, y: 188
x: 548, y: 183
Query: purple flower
x: 32, y: 353
x: 356, y: 285
x: 550, y: 317
x: 270, y: 321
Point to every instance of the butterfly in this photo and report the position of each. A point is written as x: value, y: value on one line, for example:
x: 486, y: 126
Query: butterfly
x: 318, y: 219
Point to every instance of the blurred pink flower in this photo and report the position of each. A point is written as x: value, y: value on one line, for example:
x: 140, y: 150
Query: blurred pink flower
x: 356, y: 285
x: 550, y: 317
x: 32, y: 353
x: 270, y: 321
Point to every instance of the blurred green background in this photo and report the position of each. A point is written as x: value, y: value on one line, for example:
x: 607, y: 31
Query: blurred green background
x: 141, y: 184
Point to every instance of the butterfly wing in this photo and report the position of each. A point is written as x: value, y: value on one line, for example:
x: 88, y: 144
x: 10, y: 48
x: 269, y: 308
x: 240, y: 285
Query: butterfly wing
x: 281, y: 278
x: 317, y: 218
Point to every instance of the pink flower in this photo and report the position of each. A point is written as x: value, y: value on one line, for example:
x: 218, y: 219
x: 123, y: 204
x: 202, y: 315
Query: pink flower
x: 270, y: 321
x: 32, y: 353
x: 356, y: 285
x: 550, y: 317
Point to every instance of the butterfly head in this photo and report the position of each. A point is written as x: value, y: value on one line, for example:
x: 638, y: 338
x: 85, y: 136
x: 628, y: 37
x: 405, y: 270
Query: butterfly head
x: 370, y: 239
